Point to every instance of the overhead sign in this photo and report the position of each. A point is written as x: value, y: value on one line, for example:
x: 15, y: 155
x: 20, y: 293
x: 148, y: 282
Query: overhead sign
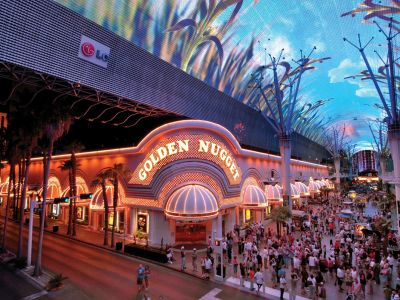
x: 93, y: 51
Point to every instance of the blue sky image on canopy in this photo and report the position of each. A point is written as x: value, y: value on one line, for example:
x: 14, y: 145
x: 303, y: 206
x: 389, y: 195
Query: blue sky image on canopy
x: 223, y: 41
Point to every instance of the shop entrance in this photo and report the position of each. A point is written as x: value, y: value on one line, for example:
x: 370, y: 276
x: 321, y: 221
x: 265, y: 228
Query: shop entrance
x: 191, y: 233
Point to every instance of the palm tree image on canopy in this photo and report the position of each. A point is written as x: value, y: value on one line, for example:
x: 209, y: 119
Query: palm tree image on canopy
x: 386, y: 85
x: 279, y: 97
x: 375, y: 9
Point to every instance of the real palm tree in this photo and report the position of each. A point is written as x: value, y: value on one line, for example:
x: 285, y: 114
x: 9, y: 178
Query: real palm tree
x: 67, y: 166
x: 280, y: 214
x: 29, y: 136
x: 74, y: 147
x: 101, y: 180
x: 10, y: 182
x: 383, y: 226
x: 13, y: 156
x: 54, y: 127
x: 118, y: 172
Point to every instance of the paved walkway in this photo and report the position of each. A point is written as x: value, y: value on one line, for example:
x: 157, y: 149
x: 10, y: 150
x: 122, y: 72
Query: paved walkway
x: 96, y: 238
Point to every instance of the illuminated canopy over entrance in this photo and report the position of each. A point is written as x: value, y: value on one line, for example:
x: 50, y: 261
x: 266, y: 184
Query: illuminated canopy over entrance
x: 192, y: 203
x: 254, y: 197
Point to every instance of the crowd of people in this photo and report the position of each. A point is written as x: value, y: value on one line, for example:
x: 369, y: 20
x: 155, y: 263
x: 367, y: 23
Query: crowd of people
x: 329, y: 249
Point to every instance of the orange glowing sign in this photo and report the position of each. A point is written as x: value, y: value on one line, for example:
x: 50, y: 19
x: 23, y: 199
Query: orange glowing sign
x: 208, y: 149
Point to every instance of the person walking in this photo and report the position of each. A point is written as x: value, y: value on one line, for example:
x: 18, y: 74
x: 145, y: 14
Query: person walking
x: 294, y: 278
x: 340, y: 277
x: 348, y: 280
x: 235, y: 266
x: 370, y: 281
x: 312, y: 286
x: 259, y: 278
x: 194, y: 260
x: 203, y: 266
x: 208, y: 266
x: 170, y: 255
x: 183, y: 259
x: 251, y: 278
x: 363, y: 282
x: 146, y: 277
x: 242, y: 274
x: 322, y: 291
x: 139, y: 278
x: 282, y: 286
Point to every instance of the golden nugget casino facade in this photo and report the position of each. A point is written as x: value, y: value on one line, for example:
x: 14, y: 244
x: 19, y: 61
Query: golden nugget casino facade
x: 189, y: 179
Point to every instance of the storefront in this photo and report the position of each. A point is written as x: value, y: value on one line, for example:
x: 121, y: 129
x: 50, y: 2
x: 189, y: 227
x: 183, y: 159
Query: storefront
x: 193, y: 207
x: 295, y: 195
x: 254, y: 204
x: 82, y: 205
x: 274, y: 196
x: 190, y: 181
x: 304, y: 192
x: 96, y: 216
x: 314, y: 188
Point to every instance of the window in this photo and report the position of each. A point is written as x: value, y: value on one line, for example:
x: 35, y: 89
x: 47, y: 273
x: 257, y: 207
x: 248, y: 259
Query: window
x: 121, y: 221
x: 142, y: 221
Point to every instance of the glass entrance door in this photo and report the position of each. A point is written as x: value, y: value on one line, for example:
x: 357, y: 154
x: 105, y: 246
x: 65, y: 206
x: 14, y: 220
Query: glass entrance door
x: 191, y: 233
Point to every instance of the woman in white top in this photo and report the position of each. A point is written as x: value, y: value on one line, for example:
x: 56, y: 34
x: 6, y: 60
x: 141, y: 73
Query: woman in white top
x: 259, y: 278
x: 282, y: 286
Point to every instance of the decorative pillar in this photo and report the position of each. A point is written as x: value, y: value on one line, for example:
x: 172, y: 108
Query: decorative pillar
x: 132, y: 217
x: 126, y: 220
x: 394, y: 143
x: 286, y: 152
x: 232, y: 216
x: 152, y: 227
x: 172, y: 229
x: 219, y: 225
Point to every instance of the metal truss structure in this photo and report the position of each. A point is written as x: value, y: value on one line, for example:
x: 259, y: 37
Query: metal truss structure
x: 94, y: 104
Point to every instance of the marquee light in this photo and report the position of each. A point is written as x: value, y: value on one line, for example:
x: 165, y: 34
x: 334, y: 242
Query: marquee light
x: 186, y: 148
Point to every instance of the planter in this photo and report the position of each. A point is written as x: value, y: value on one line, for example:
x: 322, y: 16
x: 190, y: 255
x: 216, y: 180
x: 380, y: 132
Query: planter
x: 6, y: 257
x: 56, y: 288
x: 146, y: 252
x: 118, y: 246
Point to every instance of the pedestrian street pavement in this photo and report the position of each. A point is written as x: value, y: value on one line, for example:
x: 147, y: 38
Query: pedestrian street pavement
x: 265, y: 292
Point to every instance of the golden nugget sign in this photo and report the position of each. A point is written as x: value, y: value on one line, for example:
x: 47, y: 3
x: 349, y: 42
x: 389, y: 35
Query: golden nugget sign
x: 203, y: 149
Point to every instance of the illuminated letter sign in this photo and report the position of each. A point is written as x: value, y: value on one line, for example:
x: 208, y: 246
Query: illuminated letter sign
x: 190, y: 148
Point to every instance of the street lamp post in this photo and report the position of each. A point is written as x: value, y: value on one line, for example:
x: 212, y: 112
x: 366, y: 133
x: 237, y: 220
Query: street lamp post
x: 29, y: 255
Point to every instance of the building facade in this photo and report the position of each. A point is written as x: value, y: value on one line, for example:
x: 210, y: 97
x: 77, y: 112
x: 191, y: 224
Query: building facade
x: 189, y: 180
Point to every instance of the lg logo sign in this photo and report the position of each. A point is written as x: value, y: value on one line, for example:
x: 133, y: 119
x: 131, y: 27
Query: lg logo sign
x: 93, y: 51
x: 87, y: 49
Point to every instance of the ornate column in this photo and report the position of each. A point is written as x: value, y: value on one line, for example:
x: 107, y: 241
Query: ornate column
x: 286, y: 152
x: 394, y: 143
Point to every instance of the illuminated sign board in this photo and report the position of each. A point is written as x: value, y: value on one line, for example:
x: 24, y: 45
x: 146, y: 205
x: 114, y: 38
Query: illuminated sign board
x: 93, y: 51
x: 189, y: 148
